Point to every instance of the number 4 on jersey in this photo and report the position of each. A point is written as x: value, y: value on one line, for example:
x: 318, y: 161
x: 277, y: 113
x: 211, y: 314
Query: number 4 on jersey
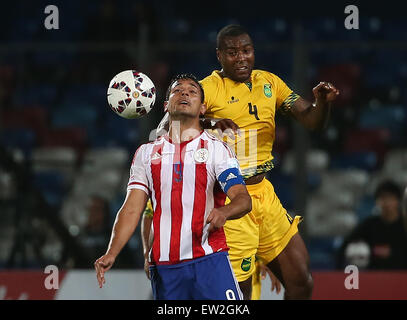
x: 253, y: 111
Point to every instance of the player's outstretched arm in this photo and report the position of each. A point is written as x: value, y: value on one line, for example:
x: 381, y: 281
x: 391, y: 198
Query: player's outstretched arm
x: 126, y: 222
x: 315, y: 115
x: 240, y: 204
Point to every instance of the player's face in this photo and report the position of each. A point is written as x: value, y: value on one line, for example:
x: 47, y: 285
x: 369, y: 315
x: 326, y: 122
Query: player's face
x: 185, y: 99
x: 236, y: 56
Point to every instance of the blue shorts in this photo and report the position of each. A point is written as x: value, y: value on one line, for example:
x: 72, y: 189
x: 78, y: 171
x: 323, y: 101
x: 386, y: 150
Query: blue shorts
x: 207, y: 278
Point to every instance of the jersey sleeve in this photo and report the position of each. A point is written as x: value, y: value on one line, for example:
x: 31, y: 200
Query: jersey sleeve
x: 227, y: 167
x: 285, y: 97
x: 138, y: 175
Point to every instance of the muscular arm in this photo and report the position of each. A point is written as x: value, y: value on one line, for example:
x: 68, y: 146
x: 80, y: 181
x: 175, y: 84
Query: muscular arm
x: 311, y: 116
x: 240, y: 204
x: 315, y: 116
x: 126, y: 222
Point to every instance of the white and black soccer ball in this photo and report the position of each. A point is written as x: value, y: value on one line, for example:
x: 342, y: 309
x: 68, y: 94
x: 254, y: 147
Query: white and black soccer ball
x: 131, y: 94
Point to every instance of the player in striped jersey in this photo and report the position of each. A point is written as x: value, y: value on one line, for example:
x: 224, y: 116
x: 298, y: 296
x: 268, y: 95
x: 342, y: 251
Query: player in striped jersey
x: 187, y: 174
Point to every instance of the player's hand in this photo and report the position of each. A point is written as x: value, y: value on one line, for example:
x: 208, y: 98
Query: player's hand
x: 325, y: 92
x: 216, y: 219
x: 147, y: 268
x: 103, y: 264
x: 275, y: 283
x: 228, y: 127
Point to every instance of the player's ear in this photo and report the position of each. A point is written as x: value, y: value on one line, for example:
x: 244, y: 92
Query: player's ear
x: 203, y: 108
x: 218, y: 54
x: 165, y: 105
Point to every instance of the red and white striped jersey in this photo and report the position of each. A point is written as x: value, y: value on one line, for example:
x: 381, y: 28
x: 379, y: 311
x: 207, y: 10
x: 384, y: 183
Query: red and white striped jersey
x: 182, y: 181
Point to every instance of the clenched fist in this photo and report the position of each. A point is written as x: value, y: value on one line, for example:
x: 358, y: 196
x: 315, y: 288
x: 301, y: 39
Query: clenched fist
x: 325, y: 92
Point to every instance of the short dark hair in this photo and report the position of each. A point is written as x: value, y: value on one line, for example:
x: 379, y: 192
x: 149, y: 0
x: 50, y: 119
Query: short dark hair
x: 185, y: 76
x: 231, y: 30
x: 388, y: 186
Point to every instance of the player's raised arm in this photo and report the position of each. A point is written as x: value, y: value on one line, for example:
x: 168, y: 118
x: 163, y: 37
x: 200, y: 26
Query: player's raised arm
x: 315, y: 115
x: 126, y: 222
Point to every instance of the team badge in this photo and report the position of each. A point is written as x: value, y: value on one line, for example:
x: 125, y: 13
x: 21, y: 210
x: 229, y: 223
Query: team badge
x: 246, y: 264
x: 267, y: 90
x: 201, y: 155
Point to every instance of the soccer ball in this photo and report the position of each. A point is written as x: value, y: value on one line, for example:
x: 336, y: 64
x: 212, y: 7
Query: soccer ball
x: 131, y: 94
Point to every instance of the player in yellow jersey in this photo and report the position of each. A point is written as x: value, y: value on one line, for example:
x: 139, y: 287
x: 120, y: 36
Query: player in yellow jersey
x: 250, y: 99
x: 246, y: 99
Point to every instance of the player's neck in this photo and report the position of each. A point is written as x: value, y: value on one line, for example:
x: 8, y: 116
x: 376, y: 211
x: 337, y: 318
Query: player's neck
x: 224, y: 75
x: 183, y: 130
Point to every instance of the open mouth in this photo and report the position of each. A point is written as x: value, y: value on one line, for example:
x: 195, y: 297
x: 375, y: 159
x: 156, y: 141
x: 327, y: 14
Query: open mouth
x: 184, y: 102
x: 241, y: 69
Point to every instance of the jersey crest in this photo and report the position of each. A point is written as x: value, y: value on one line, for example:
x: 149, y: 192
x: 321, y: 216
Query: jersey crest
x: 267, y: 90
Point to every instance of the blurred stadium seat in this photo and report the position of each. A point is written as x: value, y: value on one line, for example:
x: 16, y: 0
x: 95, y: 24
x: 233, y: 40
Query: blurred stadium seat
x: 72, y: 137
x: 23, y: 138
x: 327, y: 220
x: 106, y: 184
x: 364, y: 140
x: 8, y: 187
x: 347, y: 78
x: 32, y: 117
x: 52, y: 185
x: 98, y: 159
x: 316, y: 161
x: 283, y: 184
x: 60, y: 159
x: 396, y: 160
x: 322, y: 252
x: 355, y: 160
x: 80, y: 114
x: 36, y: 94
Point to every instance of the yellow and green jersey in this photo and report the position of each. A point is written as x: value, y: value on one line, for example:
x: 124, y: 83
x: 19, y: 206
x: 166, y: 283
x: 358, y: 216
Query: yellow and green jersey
x: 252, y: 106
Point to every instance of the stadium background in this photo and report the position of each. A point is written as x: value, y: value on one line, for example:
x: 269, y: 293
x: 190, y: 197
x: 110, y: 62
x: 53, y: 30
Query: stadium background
x: 61, y: 146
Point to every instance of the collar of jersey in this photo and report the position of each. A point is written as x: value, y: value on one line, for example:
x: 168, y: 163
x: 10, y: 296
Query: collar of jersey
x: 167, y: 137
x: 249, y: 84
